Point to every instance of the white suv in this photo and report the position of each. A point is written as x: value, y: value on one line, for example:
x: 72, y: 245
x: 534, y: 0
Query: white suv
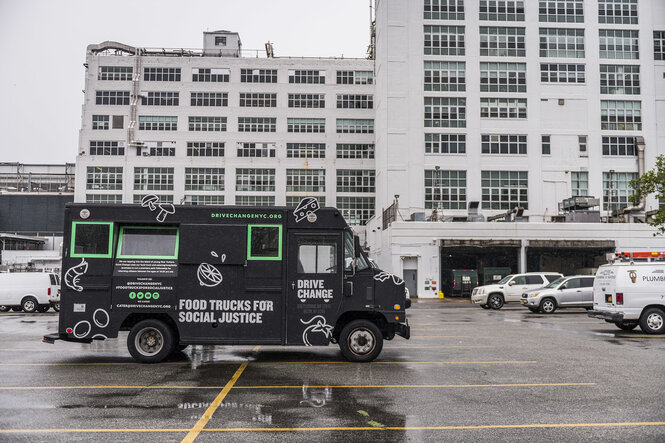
x: 511, y: 288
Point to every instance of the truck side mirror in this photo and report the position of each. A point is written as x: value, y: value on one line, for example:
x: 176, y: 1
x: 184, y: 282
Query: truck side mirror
x: 356, y: 246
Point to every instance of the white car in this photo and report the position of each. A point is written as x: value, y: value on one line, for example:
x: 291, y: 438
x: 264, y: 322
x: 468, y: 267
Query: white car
x: 630, y: 294
x: 510, y: 288
x: 29, y: 291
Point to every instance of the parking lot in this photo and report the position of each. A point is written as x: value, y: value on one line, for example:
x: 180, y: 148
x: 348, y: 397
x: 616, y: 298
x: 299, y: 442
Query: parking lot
x: 467, y: 374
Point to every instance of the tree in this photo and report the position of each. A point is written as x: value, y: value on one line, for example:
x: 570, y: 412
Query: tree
x: 652, y: 182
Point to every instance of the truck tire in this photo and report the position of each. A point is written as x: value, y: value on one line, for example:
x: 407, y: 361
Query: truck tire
x: 361, y: 341
x: 626, y: 325
x: 56, y: 307
x: 652, y: 321
x: 495, y: 301
x: 29, y: 304
x: 548, y: 306
x: 150, y: 341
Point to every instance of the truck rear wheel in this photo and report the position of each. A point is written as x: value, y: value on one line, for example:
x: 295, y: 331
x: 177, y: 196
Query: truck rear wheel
x: 29, y: 304
x: 150, y: 341
x: 361, y: 341
x: 652, y: 321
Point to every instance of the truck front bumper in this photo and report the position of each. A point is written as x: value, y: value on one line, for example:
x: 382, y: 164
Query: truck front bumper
x: 614, y: 317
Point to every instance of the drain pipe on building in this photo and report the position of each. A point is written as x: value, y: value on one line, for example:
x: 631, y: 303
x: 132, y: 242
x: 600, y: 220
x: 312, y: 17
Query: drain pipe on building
x: 639, y: 144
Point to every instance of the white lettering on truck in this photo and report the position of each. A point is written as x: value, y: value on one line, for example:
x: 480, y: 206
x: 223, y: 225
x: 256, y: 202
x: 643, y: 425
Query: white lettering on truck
x: 313, y: 289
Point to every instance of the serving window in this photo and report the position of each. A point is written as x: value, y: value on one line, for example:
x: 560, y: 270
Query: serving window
x: 91, y: 239
x: 264, y: 242
x: 148, y: 242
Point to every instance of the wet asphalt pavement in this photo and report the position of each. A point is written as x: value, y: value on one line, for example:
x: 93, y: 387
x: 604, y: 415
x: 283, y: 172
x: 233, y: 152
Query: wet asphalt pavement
x: 466, y: 375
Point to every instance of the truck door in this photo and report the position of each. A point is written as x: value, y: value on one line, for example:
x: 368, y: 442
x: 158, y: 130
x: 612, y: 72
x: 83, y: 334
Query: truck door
x: 315, y: 272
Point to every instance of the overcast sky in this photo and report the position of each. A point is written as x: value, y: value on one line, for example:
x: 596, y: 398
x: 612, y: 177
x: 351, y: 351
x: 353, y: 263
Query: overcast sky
x: 42, y: 45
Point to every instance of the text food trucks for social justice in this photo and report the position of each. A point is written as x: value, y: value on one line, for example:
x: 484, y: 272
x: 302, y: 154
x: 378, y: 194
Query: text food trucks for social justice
x: 223, y: 275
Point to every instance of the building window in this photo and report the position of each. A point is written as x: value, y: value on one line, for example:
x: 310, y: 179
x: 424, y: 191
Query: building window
x: 619, y: 146
x: 209, y: 124
x: 216, y: 75
x: 257, y: 124
x: 502, y: 77
x: 579, y: 183
x: 251, y: 149
x: 445, y: 112
x: 503, y: 108
x: 255, y: 180
x: 196, y: 200
x: 659, y: 45
x: 355, y: 77
x: 116, y: 73
x: 445, y: 189
x: 204, y: 179
x: 307, y: 101
x: 209, y: 99
x: 161, y: 98
x: 619, y: 12
x: 118, y: 121
x: 305, y: 150
x: 356, y: 210
x: 562, y: 43
x: 110, y: 199
x: 101, y: 178
x: 355, y: 150
x: 307, y: 76
x: 157, y: 123
x: 561, y: 11
x: 355, y: 180
x: 107, y: 148
x: 582, y: 143
x: 100, y: 122
x: 504, y: 189
x: 503, y: 144
x: 620, y: 44
x: 445, y: 76
x: 546, y: 145
x: 352, y: 101
x: 502, y: 42
x: 220, y: 41
x: 205, y: 149
x: 444, y: 40
x: 306, y: 125
x: 620, y: 79
x: 445, y: 144
x: 355, y: 126
x: 305, y: 180
x: 161, y: 149
x: 444, y: 10
x: 163, y: 198
x: 292, y: 201
x: 153, y: 179
x: 112, y: 97
x: 258, y: 100
x: 161, y: 74
x: 618, y: 115
x: 255, y: 200
x: 502, y: 10
x: 562, y: 73
x: 617, y: 189
x: 258, y: 75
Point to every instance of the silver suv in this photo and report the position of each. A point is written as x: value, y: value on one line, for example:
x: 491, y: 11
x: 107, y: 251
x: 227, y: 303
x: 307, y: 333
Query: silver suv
x: 575, y: 291
x: 510, y: 288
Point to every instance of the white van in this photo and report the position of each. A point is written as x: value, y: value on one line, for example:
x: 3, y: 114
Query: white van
x: 631, y: 293
x: 29, y: 291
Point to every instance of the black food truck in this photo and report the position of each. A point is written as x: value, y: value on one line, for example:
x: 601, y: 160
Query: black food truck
x: 175, y: 276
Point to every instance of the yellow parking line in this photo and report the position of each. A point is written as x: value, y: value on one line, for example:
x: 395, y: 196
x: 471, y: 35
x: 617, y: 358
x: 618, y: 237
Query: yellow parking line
x: 350, y: 428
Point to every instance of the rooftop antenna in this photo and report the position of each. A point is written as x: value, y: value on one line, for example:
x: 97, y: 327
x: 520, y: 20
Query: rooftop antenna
x: 270, y: 52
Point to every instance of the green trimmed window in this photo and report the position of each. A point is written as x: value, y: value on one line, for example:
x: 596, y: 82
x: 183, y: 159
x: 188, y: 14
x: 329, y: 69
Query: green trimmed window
x: 264, y: 242
x: 91, y: 239
x: 148, y: 242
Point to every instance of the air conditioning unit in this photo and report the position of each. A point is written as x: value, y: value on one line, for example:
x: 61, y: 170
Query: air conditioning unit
x: 146, y: 154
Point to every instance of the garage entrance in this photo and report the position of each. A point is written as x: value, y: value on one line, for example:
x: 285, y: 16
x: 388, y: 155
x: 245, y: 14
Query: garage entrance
x: 568, y: 257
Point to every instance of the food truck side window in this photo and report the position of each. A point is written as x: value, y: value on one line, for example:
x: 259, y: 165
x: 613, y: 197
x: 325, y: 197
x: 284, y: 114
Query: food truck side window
x: 148, y: 242
x: 91, y: 239
x: 264, y: 242
x: 317, y: 255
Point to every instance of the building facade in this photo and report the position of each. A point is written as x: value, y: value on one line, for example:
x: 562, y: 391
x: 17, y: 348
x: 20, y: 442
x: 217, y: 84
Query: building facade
x: 214, y: 127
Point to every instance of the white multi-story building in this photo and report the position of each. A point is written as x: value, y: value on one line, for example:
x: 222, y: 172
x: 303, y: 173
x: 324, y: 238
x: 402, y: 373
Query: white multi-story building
x: 213, y: 127
x: 513, y: 104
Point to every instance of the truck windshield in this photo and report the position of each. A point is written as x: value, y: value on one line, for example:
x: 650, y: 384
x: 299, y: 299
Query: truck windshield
x: 349, y: 254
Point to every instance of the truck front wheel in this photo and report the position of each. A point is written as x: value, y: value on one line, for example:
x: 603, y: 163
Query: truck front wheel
x: 150, y: 341
x: 653, y: 321
x: 361, y: 341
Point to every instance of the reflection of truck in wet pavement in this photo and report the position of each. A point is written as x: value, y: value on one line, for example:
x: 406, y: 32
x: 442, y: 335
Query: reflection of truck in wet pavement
x: 223, y: 275
x: 459, y: 282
